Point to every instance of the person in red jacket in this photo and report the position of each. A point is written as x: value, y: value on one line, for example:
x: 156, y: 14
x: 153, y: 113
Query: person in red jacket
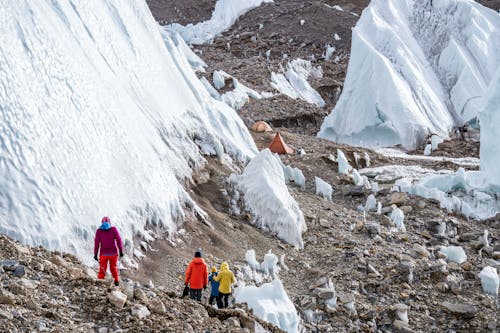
x: 197, y: 276
x: 108, y: 244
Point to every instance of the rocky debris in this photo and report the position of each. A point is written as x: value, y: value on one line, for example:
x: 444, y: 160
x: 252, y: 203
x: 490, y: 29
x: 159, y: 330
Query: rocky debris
x: 55, y: 294
x: 463, y: 310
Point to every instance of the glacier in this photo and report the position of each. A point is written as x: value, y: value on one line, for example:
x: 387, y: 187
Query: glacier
x: 417, y: 68
x: 101, y: 114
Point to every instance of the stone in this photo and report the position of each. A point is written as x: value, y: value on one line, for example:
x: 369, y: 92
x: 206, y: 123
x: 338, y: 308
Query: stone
x: 400, y: 325
x: 157, y: 306
x: 406, y: 209
x: 140, y: 295
x: 319, y: 282
x: 140, y: 311
x: 324, y: 293
x: 20, y: 271
x: 421, y: 250
x: 75, y: 272
x: 29, y: 284
x: 7, y: 297
x: 398, y: 198
x: 58, y: 261
x: 496, y: 255
x: 324, y: 223
x: 117, y: 298
x: 233, y: 322
x: 102, y: 330
x: 386, y: 221
x: 463, y: 310
x: 9, y: 265
x: 6, y: 315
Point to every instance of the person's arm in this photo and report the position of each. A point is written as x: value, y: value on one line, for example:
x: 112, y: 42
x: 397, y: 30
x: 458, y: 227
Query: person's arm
x: 97, y: 242
x: 205, y: 277
x: 217, y: 277
x: 188, y: 274
x: 118, y: 241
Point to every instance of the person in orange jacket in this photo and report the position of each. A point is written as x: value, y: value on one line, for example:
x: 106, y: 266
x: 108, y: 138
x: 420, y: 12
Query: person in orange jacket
x: 197, y: 276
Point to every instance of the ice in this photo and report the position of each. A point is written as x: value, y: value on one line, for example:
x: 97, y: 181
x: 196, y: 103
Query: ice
x: 367, y: 159
x: 323, y: 188
x: 226, y: 12
x: 329, y: 52
x: 454, y: 254
x: 371, y: 203
x: 343, y: 164
x: 416, y: 69
x: 436, y: 140
x: 336, y: 37
x: 489, y: 280
x: 428, y: 150
x: 266, y: 197
x: 302, y: 22
x: 239, y: 96
x: 398, y: 217
x: 490, y: 133
x: 219, y: 79
x: 251, y: 259
x: 211, y: 90
x: 337, y: 7
x: 294, y: 82
x: 269, y: 265
x: 271, y: 303
x: 292, y: 175
x: 100, y: 115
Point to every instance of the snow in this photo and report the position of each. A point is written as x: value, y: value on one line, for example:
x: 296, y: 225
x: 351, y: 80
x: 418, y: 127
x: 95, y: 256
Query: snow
x: 336, y: 37
x: 323, y: 188
x: 266, y: 196
x: 436, y: 140
x: 454, y: 254
x: 489, y: 280
x: 219, y: 79
x: 490, y: 132
x: 271, y: 303
x: 251, y: 259
x: 226, y: 12
x: 416, y: 69
x: 461, y: 161
x: 371, y: 203
x: 294, y: 82
x: 329, y: 52
x: 211, y: 90
x: 343, y: 165
x: 98, y: 116
x: 428, y: 150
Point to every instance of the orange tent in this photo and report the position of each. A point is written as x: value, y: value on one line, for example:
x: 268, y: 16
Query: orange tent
x: 279, y: 146
x: 261, y: 126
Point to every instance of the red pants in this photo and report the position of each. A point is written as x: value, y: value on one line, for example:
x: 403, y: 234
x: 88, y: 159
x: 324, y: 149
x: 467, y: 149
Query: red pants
x: 103, y: 266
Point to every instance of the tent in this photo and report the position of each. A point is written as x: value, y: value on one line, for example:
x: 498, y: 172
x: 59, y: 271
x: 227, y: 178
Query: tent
x: 261, y: 126
x: 279, y: 146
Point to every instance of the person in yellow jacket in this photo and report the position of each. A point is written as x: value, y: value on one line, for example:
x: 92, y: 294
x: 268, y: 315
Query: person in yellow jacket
x: 226, y: 279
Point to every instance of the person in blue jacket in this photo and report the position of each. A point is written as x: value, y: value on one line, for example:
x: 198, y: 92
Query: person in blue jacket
x: 214, y: 288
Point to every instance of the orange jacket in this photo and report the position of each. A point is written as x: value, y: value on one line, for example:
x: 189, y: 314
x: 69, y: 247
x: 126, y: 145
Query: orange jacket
x: 197, y: 274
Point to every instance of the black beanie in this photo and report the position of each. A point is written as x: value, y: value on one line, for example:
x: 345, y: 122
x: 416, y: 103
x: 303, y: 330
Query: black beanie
x: 197, y: 254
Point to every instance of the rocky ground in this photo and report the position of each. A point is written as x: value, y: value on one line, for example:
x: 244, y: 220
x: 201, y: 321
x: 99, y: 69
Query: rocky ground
x: 42, y: 291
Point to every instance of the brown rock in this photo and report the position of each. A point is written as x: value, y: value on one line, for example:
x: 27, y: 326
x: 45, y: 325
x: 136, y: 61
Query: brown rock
x: 463, y: 310
x: 398, y: 198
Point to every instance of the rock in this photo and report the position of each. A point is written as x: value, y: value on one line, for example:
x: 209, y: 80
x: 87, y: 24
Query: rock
x: 355, y: 191
x: 442, y: 287
x: 6, y: 315
x: 140, y: 295
x: 400, y: 325
x: 29, y: 284
x: 117, y: 298
x: 19, y: 271
x: 140, y: 311
x: 9, y: 265
x: 319, y: 282
x: 463, y: 310
x: 75, y: 272
x: 7, y: 297
x: 398, y: 198
x: 421, y: 250
x: 102, y: 330
x: 324, y: 223
x: 406, y: 209
x: 41, y: 325
x: 58, y: 261
x: 386, y: 221
x: 421, y: 204
x: 233, y: 322
x: 372, y: 229
x: 157, y: 306
x: 187, y: 327
x: 496, y: 255
x: 324, y: 293
x: 436, y: 227
x: 402, y: 312
x: 372, y: 270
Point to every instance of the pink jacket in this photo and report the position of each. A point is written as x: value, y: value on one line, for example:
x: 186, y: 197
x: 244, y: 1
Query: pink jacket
x: 109, y: 241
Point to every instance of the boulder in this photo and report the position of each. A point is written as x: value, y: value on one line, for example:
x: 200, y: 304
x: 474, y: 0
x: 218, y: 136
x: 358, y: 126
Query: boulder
x: 19, y: 271
x: 140, y: 311
x: 157, y: 306
x: 398, y: 198
x: 463, y: 310
x: 117, y: 298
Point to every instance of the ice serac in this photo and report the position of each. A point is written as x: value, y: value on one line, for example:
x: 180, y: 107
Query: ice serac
x: 100, y: 115
x: 490, y: 133
x: 226, y: 12
x: 266, y: 196
x: 417, y: 68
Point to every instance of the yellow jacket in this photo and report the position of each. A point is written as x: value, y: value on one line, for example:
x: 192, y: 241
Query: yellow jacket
x: 226, y: 279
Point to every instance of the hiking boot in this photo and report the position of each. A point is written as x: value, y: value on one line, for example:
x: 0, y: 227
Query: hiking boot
x: 117, y: 283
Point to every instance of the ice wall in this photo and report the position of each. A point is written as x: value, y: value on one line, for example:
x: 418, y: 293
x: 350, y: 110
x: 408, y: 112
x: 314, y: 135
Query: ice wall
x: 417, y: 67
x: 99, y: 116
x: 490, y: 133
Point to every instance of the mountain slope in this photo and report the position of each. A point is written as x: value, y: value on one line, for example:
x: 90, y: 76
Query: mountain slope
x: 99, y: 116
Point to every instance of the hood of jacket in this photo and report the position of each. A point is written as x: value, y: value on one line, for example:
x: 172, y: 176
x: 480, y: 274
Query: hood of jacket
x: 224, y: 266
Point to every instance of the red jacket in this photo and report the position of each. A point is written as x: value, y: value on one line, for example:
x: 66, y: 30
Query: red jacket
x: 197, y: 274
x: 109, y: 241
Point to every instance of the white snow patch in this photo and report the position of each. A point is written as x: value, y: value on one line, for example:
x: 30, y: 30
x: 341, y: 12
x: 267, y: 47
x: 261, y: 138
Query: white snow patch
x: 416, y: 68
x: 226, y: 12
x: 267, y: 198
x: 271, y: 303
x: 343, y: 165
x: 98, y: 114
